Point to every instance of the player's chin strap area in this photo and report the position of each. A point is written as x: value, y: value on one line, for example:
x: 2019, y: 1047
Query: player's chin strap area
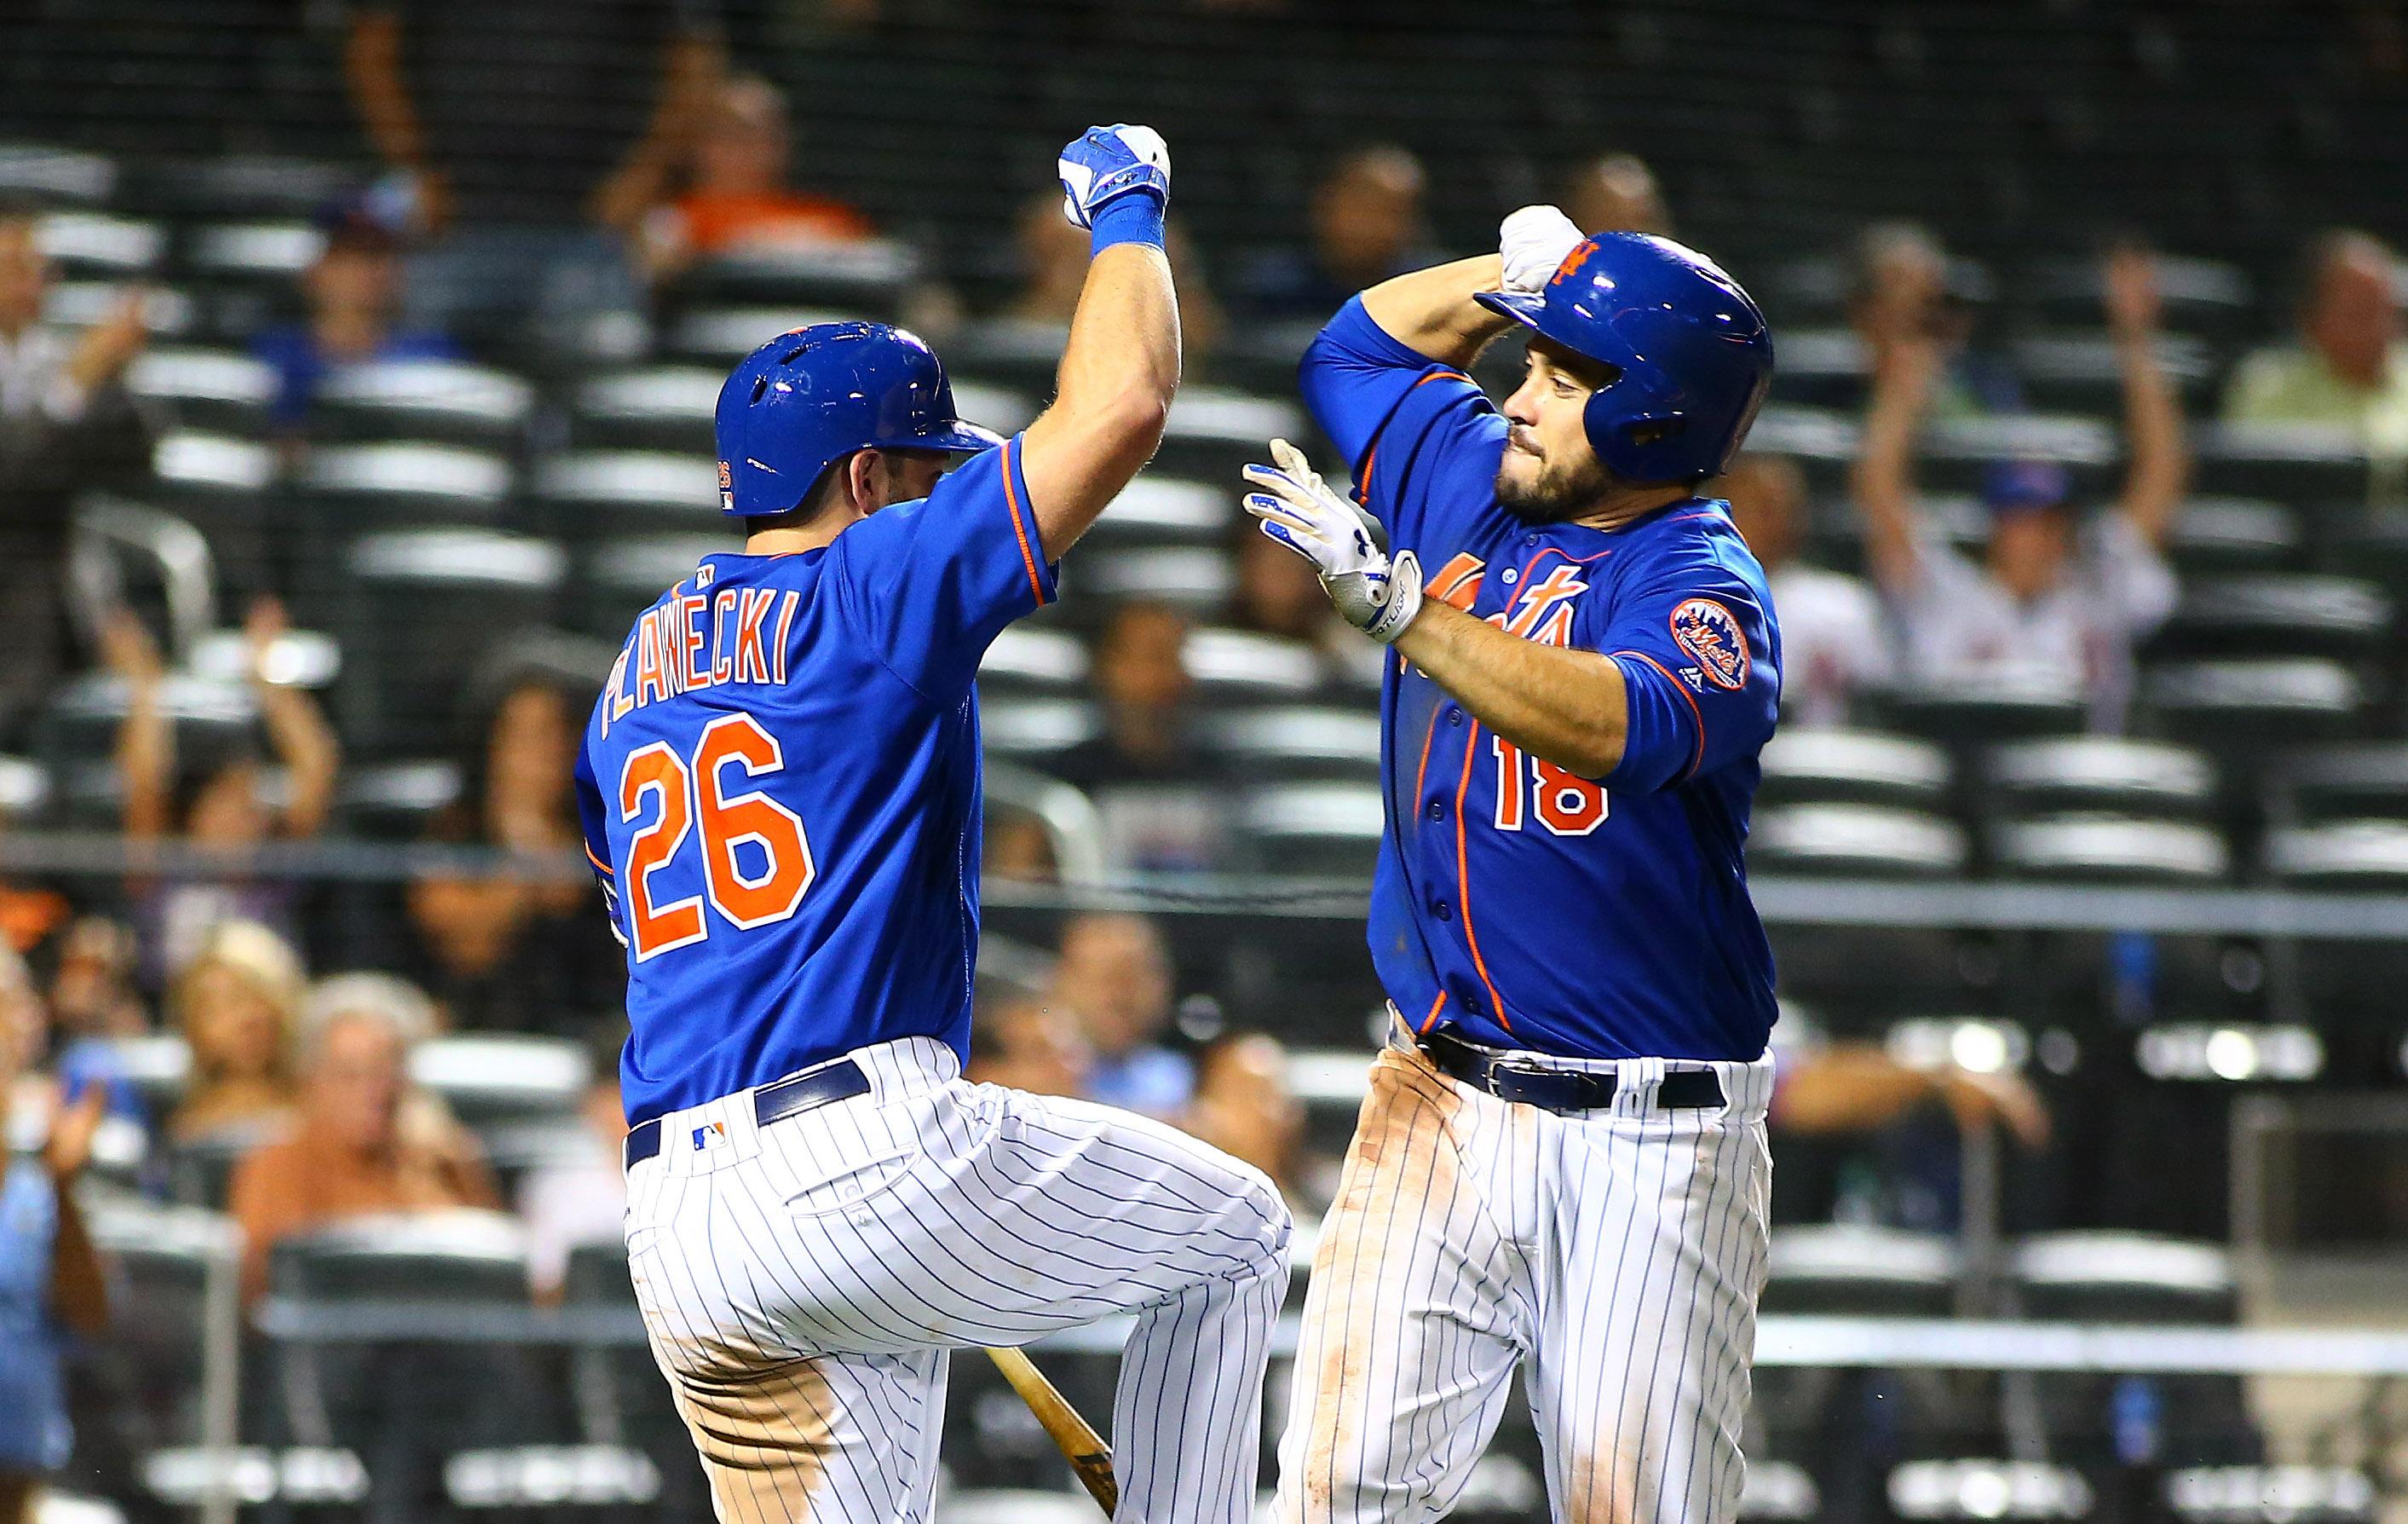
x: 1522, y: 1082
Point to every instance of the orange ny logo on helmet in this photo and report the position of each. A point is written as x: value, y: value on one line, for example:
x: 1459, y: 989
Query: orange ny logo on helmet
x: 1563, y: 271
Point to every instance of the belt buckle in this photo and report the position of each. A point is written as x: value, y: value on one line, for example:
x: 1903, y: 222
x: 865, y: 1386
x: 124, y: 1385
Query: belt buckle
x: 1499, y: 1069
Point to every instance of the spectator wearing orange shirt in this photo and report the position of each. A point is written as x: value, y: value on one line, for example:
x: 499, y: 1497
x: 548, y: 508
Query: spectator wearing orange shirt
x: 739, y: 194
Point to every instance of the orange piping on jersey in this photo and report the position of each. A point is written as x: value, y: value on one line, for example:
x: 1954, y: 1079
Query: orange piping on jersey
x: 1422, y: 771
x: 599, y: 866
x: 1698, y: 759
x: 1019, y: 530
x: 1429, y: 1020
x: 1463, y: 884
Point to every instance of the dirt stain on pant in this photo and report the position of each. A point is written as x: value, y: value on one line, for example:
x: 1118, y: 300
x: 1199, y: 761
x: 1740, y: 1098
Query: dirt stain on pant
x: 765, y: 1437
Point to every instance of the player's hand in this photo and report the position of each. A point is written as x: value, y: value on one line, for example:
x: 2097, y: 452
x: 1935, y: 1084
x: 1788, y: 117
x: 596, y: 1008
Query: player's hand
x: 1534, y: 242
x: 1377, y: 595
x: 1104, y: 163
x: 2131, y: 289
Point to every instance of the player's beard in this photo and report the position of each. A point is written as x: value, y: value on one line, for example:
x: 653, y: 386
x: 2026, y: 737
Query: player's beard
x: 1558, y: 493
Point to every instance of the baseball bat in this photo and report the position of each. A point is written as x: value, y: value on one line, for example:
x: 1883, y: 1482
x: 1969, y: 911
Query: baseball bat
x: 1076, y: 1439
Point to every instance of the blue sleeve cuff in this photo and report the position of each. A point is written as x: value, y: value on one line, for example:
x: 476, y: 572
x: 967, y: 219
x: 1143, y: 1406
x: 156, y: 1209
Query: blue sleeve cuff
x: 1134, y: 217
x: 1042, y: 573
x: 1663, y: 733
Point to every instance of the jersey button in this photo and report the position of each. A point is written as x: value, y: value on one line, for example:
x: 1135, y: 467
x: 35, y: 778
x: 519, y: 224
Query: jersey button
x: 1436, y: 810
x: 1471, y: 1005
x: 1454, y: 715
x: 1441, y: 908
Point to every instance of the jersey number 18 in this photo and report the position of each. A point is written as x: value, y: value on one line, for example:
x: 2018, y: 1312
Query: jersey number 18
x: 694, y: 794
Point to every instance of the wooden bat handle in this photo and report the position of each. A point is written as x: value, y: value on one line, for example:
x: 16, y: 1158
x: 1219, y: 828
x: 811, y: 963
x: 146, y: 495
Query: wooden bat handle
x: 1085, y: 1449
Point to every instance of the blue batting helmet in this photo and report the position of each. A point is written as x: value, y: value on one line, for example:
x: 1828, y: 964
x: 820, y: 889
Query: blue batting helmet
x: 1690, y: 352
x: 808, y: 398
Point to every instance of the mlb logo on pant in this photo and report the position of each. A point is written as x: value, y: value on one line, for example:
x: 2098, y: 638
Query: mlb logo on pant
x: 710, y: 1133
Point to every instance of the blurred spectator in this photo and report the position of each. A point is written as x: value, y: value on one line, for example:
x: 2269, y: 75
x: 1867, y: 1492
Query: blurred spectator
x: 353, y: 291
x: 1833, y: 641
x: 1900, y: 294
x: 1151, y: 779
x: 1054, y: 259
x: 1615, y: 193
x: 1017, y: 847
x: 533, y: 134
x: 67, y: 425
x: 92, y: 987
x: 1278, y: 595
x: 214, y: 796
x: 2348, y: 366
x: 68, y: 1062
x: 1244, y: 1106
x: 738, y: 192
x: 237, y: 1006
x: 1114, y: 978
x: 364, y: 1141
x: 583, y: 1199
x: 520, y: 953
x: 31, y: 910
x: 51, y: 1283
x: 1365, y: 225
x: 2051, y: 602
x: 1030, y: 1045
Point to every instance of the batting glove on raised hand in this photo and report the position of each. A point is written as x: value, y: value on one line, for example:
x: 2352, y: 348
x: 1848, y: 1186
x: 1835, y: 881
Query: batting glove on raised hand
x: 1102, y: 164
x: 1534, y: 242
x: 1377, y: 595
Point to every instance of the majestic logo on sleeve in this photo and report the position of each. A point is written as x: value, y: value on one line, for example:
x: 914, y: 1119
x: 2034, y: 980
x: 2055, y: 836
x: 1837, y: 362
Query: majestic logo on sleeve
x: 1711, y: 637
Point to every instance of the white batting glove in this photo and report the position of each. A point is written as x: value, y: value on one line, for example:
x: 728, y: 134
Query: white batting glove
x: 1104, y: 163
x: 1375, y: 595
x: 1533, y: 242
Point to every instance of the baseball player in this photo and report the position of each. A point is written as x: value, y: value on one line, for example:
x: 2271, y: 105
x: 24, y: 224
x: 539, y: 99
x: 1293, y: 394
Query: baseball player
x: 1561, y: 1162
x: 780, y: 793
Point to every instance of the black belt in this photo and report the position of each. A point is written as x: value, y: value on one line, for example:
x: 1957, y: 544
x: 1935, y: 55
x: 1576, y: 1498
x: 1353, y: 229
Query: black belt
x: 1510, y: 1077
x: 837, y: 1081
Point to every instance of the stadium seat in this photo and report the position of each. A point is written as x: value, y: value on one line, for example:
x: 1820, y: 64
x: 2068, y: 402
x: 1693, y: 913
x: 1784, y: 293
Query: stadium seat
x: 2108, y: 1276
x: 867, y: 279
x: 619, y: 1396
x: 489, y: 1078
x: 1846, y: 1270
x: 660, y: 408
x: 1238, y: 667
x: 1214, y: 431
x: 1314, y: 829
x: 425, y: 607
x: 1032, y: 729
x: 624, y: 577
x: 167, y: 313
x: 1028, y: 661
x: 1986, y: 708
x: 2242, y: 708
x: 2099, y: 848
x: 162, y: 1258
x: 2292, y: 463
x: 2204, y: 297
x: 1820, y: 367
x: 2367, y: 780
x: 1988, y: 1490
x: 206, y: 388
x: 248, y: 273
x: 354, y: 486
x: 2081, y: 372
x: 395, y: 801
x: 1196, y: 578
x: 99, y: 245
x: 2363, y: 855
x: 2221, y: 535
x: 1288, y: 742
x: 82, y: 722
x: 200, y: 1170
x: 450, y: 401
x: 2101, y: 773
x: 2294, y: 1494
x: 2278, y: 614
x: 1957, y: 452
x: 594, y: 492
x: 1854, y: 841
x: 1806, y: 765
x: 24, y: 789
x: 1009, y: 352
x: 722, y: 335
x: 1156, y: 509
x: 49, y: 173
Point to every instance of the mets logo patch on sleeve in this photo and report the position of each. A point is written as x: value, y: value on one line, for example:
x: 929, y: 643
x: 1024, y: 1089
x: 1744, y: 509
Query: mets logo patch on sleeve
x: 1711, y: 635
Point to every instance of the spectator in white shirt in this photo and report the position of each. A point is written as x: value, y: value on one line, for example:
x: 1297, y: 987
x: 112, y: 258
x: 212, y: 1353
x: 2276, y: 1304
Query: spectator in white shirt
x: 2053, y: 601
x: 1834, y: 642
x: 579, y: 1198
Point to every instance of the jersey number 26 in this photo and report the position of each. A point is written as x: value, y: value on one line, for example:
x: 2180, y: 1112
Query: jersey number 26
x: 696, y: 794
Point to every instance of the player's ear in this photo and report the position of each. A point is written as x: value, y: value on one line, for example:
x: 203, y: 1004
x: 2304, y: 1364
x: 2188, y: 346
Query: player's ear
x: 866, y: 473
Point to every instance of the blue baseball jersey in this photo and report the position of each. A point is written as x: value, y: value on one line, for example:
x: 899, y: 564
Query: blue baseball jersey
x: 780, y: 791
x: 1530, y: 907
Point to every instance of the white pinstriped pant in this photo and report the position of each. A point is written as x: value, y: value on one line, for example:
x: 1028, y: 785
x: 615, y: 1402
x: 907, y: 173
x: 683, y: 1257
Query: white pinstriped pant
x: 802, y: 1283
x: 1616, y: 1255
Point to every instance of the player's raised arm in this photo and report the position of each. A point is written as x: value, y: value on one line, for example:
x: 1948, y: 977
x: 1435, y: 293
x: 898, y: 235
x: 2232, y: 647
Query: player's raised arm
x: 1120, y: 366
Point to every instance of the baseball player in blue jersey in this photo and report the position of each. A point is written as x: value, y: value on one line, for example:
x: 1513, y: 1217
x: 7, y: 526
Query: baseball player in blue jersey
x: 781, y: 795
x: 1561, y: 1162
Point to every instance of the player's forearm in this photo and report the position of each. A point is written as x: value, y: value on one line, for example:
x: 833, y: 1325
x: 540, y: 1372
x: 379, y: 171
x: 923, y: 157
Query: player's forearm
x: 1431, y: 310
x: 1849, y: 1088
x: 2160, y: 459
x: 1561, y: 706
x: 1118, y: 372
